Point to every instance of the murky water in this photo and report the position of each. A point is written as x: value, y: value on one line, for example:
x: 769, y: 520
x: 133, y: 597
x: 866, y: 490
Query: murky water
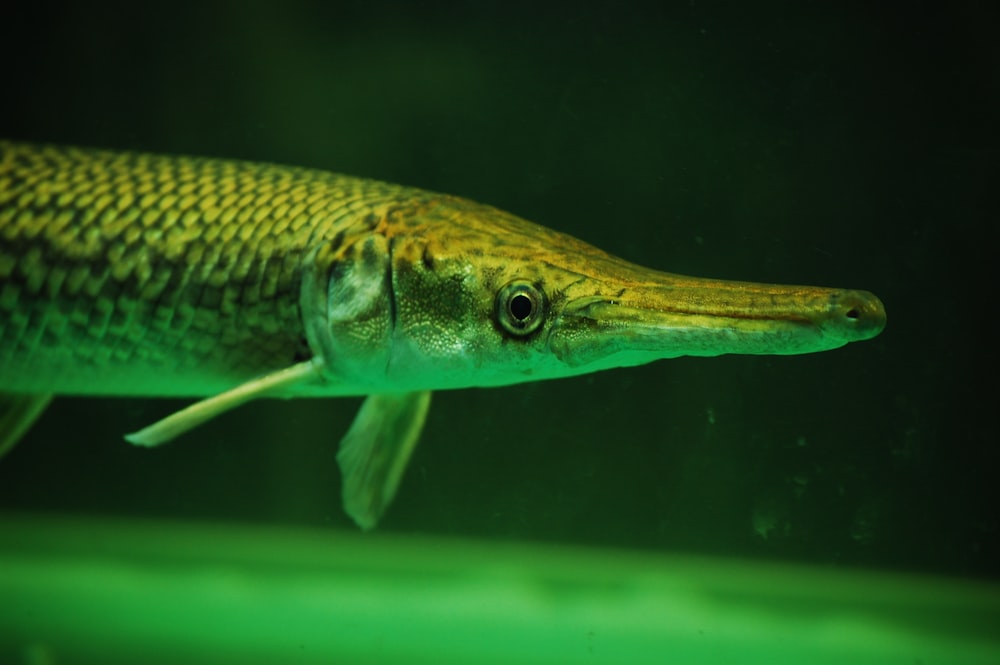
x: 794, y: 146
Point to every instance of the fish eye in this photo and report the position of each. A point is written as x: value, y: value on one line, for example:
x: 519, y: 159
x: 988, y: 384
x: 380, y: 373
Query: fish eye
x: 520, y: 308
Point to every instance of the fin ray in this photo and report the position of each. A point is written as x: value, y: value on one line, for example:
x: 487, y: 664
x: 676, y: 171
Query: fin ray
x: 375, y: 450
x: 17, y: 414
x: 190, y: 417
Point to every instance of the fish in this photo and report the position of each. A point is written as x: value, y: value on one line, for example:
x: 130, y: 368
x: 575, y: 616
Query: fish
x: 145, y: 275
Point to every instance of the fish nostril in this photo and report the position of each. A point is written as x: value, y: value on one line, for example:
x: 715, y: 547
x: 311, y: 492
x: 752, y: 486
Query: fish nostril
x: 855, y: 315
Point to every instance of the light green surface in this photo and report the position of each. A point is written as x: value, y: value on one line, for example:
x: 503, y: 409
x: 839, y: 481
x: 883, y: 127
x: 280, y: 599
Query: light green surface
x: 98, y: 591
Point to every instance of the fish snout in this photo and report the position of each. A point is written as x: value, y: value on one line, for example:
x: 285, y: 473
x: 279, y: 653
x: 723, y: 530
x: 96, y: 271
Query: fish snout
x: 854, y: 315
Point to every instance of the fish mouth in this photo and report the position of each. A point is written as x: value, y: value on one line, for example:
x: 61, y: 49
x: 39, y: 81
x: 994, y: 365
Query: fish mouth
x: 708, y: 318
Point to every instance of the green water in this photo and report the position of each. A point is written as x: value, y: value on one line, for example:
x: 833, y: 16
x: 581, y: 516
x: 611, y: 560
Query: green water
x: 784, y: 144
x: 122, y: 592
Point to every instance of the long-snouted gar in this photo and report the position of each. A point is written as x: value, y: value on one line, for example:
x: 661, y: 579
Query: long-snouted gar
x: 144, y: 275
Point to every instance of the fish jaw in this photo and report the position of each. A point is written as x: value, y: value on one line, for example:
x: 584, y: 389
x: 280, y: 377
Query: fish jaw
x: 482, y: 298
x: 682, y: 316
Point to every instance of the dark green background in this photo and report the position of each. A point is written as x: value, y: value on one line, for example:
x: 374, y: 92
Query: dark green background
x: 796, y: 142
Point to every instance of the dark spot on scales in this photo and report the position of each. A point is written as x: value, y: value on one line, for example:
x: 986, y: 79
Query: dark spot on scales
x: 337, y: 270
x: 337, y: 241
x: 491, y: 278
x: 370, y: 255
x: 302, y: 351
x: 211, y: 297
x: 427, y: 258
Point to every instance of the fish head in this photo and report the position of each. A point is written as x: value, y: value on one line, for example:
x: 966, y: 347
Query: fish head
x: 480, y: 297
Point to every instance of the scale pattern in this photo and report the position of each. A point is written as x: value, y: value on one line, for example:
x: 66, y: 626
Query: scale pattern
x: 181, y: 273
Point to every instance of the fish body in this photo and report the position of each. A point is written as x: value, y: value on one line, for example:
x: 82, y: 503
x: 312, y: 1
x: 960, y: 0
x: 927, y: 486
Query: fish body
x: 144, y: 275
x: 129, y: 274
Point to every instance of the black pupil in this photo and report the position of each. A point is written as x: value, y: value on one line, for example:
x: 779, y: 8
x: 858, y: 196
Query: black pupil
x: 520, y: 307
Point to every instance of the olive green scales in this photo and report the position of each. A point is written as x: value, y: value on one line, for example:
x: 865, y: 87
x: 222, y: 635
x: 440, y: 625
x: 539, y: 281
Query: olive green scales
x: 142, y: 275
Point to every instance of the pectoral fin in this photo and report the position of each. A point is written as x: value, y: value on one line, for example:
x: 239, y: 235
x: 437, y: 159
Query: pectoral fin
x: 177, y: 423
x: 17, y: 413
x: 374, y: 452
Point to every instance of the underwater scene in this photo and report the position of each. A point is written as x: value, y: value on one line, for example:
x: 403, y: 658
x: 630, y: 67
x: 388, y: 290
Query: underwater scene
x: 616, y: 465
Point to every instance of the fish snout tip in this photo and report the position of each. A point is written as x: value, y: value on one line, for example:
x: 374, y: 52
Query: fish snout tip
x: 857, y: 315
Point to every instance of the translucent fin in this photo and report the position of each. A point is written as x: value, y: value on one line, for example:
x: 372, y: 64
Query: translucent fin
x: 374, y: 452
x: 177, y: 423
x: 17, y: 413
